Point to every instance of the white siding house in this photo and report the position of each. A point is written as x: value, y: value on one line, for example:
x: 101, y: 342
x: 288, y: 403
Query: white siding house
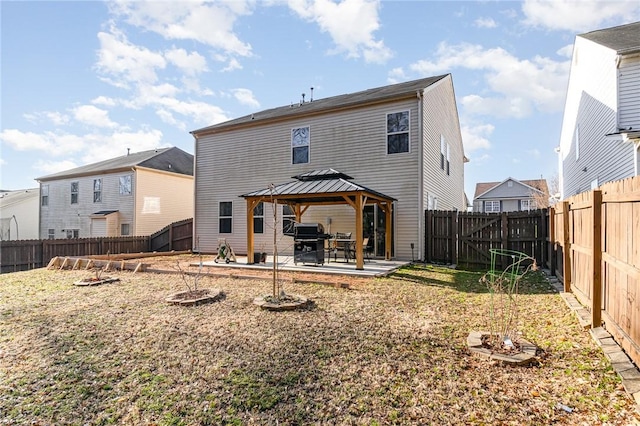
x: 601, y: 125
x: 400, y: 140
x: 19, y: 214
x: 136, y: 194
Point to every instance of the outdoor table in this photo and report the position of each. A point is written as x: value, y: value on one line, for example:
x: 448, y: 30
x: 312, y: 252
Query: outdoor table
x: 346, y: 245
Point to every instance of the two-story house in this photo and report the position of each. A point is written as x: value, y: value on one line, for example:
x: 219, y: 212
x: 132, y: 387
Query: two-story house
x: 351, y: 154
x: 511, y: 195
x: 19, y: 214
x: 136, y: 194
x: 601, y: 125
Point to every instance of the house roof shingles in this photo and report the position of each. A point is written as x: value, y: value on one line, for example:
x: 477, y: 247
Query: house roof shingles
x: 379, y: 94
x: 624, y: 39
x: 167, y: 159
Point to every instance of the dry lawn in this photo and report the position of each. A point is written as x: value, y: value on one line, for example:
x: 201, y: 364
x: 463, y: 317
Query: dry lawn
x: 388, y: 351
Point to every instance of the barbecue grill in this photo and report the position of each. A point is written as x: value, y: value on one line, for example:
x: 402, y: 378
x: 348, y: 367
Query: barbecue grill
x: 308, y: 239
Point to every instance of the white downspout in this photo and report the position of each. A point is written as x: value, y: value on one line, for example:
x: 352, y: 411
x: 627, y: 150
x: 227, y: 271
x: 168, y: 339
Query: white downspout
x: 421, y: 235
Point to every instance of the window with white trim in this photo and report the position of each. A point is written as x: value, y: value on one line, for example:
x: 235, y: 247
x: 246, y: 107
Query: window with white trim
x: 97, y: 190
x: 73, y: 233
x: 525, y: 205
x: 398, y: 132
x: 225, y: 217
x: 44, y: 195
x: 300, y: 143
x: 258, y: 218
x: 75, y: 190
x: 124, y: 229
x: 448, y: 159
x: 442, y: 151
x: 51, y: 234
x: 124, y: 185
x: 492, y: 206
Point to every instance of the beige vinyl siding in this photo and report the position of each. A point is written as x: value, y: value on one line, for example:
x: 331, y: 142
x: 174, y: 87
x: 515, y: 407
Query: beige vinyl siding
x: 629, y: 93
x: 61, y: 214
x: 156, y: 203
x: 440, y: 117
x: 352, y: 142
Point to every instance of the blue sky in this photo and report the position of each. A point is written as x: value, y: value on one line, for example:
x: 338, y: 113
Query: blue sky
x: 83, y: 81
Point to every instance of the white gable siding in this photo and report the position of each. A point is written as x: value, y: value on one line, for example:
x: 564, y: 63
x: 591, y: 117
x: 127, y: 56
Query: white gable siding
x: 160, y: 199
x: 629, y: 93
x: 229, y: 164
x: 591, y: 106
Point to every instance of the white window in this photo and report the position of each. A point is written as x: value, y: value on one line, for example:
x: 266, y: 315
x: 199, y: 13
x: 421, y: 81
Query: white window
x: 75, y: 189
x: 73, y: 233
x: 44, y: 195
x: 492, y: 206
x: 525, y: 205
x: 97, y: 190
x: 226, y: 217
x: 398, y: 132
x: 300, y: 145
x: 125, y: 185
x: 51, y: 234
x: 258, y: 218
x: 448, y: 158
x: 443, y: 148
x: 124, y: 229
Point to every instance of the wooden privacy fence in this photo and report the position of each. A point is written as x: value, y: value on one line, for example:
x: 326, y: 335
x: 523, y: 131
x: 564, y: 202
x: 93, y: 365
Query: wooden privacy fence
x: 466, y: 238
x: 597, y: 235
x: 29, y: 254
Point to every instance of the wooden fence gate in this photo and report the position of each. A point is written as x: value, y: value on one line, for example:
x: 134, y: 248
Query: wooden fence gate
x: 466, y: 238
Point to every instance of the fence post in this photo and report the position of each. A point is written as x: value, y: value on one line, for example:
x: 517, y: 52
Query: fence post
x: 552, y: 240
x: 596, y: 258
x: 566, y: 253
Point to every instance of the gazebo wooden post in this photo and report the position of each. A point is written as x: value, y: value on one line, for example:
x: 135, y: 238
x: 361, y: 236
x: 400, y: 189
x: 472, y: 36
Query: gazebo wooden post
x: 387, y: 234
x: 251, y: 203
x: 359, y: 210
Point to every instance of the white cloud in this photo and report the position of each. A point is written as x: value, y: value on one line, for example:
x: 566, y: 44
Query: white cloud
x: 104, y: 101
x: 245, y: 97
x: 104, y: 146
x: 579, y: 16
x: 208, y: 23
x: 190, y: 63
x: 2, y: 162
x: 93, y: 116
x: 47, y: 167
x: 123, y: 62
x: 485, y: 23
x: 232, y: 65
x: 350, y: 23
x: 55, y: 144
x: 517, y: 86
x: 475, y: 137
x: 54, y: 117
x: 566, y: 51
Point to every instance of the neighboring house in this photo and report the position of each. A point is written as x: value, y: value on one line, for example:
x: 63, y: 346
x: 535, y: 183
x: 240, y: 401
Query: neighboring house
x: 601, y: 126
x: 19, y: 214
x: 402, y: 141
x: 136, y: 194
x: 511, y: 195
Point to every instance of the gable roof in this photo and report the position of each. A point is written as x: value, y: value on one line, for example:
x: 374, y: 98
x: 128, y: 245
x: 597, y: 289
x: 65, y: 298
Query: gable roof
x: 537, y: 184
x: 171, y: 159
x: 624, y: 39
x: 318, y: 106
x: 9, y: 198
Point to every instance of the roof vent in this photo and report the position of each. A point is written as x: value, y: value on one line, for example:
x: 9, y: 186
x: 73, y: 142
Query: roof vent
x: 311, y: 97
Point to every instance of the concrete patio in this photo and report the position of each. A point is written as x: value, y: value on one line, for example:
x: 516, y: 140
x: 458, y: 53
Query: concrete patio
x: 372, y: 268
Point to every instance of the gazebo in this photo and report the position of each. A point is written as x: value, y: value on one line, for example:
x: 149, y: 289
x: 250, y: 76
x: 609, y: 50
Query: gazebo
x: 321, y: 188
